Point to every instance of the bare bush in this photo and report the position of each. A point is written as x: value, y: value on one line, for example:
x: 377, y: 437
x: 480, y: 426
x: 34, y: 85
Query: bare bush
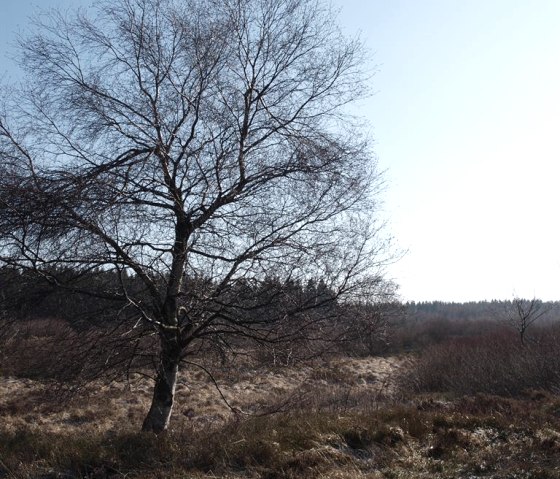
x: 50, y: 349
x: 496, y: 364
x: 413, y: 335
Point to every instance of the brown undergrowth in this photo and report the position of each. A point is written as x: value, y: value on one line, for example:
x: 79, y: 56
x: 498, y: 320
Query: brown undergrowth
x: 341, y: 419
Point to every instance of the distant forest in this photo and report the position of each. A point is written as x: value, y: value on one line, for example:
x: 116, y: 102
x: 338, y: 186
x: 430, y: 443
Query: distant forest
x: 392, y: 328
x: 473, y: 310
x: 436, y: 322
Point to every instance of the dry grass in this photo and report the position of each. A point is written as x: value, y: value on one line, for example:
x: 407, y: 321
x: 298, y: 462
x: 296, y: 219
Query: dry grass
x: 334, y: 420
x: 199, y: 404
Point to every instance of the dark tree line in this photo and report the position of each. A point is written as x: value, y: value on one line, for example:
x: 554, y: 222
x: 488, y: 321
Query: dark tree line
x: 69, y: 295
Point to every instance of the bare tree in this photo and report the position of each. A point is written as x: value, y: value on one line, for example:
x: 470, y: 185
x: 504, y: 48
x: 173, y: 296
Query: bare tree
x: 522, y: 313
x: 197, y: 148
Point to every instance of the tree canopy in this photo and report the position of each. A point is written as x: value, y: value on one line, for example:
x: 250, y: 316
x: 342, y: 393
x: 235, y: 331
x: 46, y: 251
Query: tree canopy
x: 203, y: 148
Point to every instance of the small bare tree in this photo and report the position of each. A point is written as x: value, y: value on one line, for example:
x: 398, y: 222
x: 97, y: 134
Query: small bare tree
x: 522, y: 313
x: 195, y: 149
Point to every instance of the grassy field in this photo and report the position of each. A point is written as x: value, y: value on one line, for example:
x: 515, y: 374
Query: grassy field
x: 346, y: 418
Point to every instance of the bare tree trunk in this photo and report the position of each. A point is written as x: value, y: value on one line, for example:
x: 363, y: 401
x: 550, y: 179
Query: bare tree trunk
x: 159, y: 414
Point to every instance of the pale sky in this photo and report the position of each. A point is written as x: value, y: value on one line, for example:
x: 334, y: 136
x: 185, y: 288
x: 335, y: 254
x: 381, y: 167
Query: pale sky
x: 466, y: 121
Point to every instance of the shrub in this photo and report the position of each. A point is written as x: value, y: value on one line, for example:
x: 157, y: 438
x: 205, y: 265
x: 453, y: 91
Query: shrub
x: 414, y: 334
x: 496, y: 363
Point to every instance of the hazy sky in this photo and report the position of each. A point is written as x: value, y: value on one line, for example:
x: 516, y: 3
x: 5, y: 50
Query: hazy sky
x: 466, y: 121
